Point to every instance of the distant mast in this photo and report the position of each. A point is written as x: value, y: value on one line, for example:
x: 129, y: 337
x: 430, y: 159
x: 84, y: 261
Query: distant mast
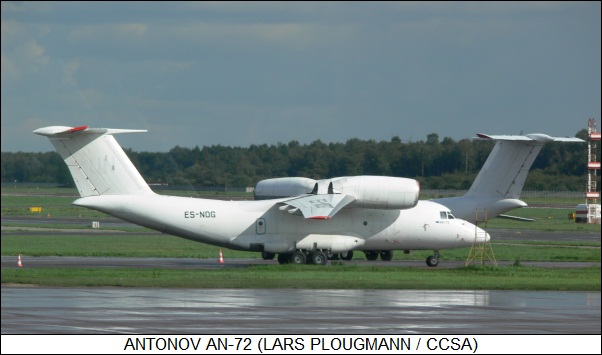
x: 593, y: 165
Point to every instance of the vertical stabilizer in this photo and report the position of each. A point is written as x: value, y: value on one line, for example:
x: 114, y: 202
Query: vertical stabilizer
x: 98, y: 164
x: 500, y: 182
x: 504, y: 173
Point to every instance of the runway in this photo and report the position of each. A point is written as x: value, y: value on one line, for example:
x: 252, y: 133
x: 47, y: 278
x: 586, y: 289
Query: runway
x: 33, y: 310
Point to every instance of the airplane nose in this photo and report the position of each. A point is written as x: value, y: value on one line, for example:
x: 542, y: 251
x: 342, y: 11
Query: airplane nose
x: 482, y: 236
x: 474, y: 234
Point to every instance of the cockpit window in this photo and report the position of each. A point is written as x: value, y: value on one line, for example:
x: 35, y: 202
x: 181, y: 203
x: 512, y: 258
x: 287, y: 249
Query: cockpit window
x: 446, y: 215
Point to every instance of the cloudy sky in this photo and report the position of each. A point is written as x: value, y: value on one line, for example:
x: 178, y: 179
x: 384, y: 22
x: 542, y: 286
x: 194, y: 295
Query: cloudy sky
x: 242, y: 73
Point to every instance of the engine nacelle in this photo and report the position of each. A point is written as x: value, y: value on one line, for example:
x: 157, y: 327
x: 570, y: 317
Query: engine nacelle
x: 379, y: 192
x: 283, y: 187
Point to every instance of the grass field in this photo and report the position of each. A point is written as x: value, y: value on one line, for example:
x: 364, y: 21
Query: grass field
x: 336, y: 276
x: 56, y: 203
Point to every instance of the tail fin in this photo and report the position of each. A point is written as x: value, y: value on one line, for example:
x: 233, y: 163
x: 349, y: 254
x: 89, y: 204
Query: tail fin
x: 504, y: 173
x: 498, y: 185
x: 98, y: 164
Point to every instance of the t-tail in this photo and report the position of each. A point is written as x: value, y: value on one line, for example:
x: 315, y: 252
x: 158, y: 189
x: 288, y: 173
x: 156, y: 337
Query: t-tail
x: 98, y: 164
x: 498, y: 185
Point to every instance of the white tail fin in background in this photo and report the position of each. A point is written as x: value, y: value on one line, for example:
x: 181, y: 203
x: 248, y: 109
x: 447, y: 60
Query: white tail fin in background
x: 98, y: 164
x: 504, y: 173
x: 498, y: 185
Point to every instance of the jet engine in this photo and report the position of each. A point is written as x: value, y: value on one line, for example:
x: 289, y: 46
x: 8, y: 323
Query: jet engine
x: 378, y: 192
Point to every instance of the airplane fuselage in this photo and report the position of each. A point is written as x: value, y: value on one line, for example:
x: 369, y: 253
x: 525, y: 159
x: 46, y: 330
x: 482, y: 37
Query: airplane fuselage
x: 263, y: 226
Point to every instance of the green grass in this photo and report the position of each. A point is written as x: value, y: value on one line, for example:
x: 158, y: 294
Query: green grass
x: 335, y: 275
x: 546, y: 219
x: 318, y: 277
x: 131, y: 245
x: 52, y: 206
x: 56, y: 202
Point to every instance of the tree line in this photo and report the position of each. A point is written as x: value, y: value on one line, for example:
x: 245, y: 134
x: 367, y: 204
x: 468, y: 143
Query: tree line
x: 437, y: 164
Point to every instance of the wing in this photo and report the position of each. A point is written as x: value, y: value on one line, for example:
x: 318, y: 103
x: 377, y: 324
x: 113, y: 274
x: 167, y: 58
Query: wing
x: 317, y: 206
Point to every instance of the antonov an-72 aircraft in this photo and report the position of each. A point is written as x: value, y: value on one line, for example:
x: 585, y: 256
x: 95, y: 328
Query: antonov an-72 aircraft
x: 301, y: 220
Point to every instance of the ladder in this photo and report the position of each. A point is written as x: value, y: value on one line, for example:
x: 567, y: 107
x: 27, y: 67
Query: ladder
x: 481, y: 249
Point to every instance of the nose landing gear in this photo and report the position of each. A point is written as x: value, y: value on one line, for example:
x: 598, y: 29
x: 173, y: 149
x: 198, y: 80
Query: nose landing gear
x: 433, y: 260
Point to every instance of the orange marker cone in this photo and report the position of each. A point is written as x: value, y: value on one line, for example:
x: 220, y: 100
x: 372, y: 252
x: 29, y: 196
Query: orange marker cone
x: 221, y: 257
x: 19, y: 264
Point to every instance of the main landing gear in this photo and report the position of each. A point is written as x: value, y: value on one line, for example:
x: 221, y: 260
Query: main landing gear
x: 316, y: 257
x: 300, y: 257
x: 385, y: 255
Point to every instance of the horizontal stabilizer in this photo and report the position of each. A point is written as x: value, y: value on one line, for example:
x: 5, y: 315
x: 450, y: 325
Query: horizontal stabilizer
x: 64, y: 132
x: 516, y: 218
x: 535, y: 137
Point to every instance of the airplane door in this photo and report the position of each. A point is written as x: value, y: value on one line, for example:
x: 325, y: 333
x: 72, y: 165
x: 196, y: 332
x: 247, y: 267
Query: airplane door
x: 260, y: 226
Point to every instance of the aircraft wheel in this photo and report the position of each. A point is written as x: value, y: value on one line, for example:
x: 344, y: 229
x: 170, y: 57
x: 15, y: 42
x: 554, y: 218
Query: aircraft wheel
x: 348, y: 255
x: 432, y: 261
x: 298, y: 258
x: 267, y: 256
x: 333, y: 256
x: 284, y: 258
x: 371, y: 255
x: 318, y: 258
x: 386, y: 255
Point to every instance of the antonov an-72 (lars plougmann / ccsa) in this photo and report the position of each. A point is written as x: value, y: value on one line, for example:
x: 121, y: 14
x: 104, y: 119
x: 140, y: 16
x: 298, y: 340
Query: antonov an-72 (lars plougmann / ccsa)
x: 301, y: 220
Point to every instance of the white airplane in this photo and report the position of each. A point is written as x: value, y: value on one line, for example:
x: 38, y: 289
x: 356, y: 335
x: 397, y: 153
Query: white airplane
x: 374, y: 214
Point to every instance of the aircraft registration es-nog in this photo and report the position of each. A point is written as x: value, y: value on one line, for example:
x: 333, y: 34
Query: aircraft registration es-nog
x: 299, y: 219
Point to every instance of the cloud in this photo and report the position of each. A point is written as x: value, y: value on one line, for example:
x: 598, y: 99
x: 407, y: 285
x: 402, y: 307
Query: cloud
x: 9, y: 68
x: 70, y: 70
x: 258, y: 72
x: 108, y: 32
x: 289, y: 34
x: 34, y: 53
x: 24, y: 59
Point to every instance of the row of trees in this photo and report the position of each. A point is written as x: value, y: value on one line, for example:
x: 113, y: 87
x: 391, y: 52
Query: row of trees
x: 445, y: 164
